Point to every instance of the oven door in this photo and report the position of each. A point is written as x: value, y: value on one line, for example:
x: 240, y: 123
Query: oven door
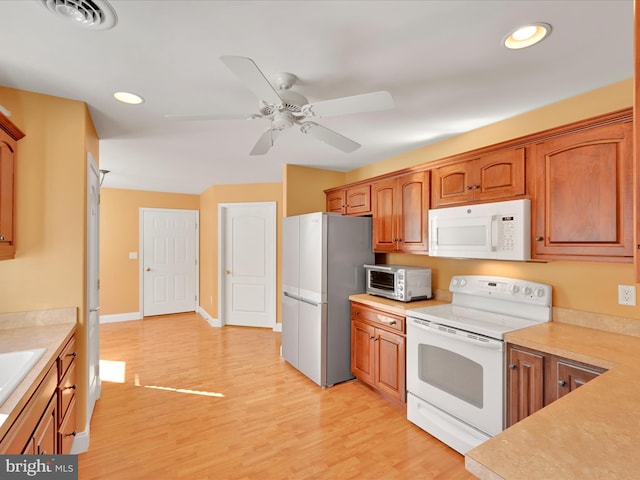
x: 460, y: 373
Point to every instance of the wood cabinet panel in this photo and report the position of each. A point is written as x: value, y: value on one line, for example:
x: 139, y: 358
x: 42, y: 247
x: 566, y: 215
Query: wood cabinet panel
x: 45, y: 437
x: 390, y: 364
x: 362, y: 355
x: 494, y: 176
x: 67, y: 429
x: 354, y: 200
x: 378, y: 350
x: 400, y: 214
x: 584, y: 193
x: 535, y: 379
x: 9, y: 136
x: 525, y: 393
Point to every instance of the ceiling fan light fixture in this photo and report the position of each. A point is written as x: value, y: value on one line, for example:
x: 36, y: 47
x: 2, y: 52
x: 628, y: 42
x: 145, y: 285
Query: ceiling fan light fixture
x: 128, y: 97
x: 527, y: 35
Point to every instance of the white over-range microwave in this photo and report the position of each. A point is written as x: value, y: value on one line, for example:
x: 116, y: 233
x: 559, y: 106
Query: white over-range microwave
x: 498, y: 230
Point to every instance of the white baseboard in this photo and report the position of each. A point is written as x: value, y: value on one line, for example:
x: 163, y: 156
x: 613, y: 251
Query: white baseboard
x: 120, y: 317
x: 80, y: 442
x: 278, y: 327
x: 214, y: 322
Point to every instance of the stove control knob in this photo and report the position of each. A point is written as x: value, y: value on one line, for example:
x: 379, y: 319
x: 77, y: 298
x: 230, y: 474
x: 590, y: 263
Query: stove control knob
x: 454, y: 282
x: 526, y: 290
x: 463, y: 282
x: 539, y: 292
x: 514, y: 288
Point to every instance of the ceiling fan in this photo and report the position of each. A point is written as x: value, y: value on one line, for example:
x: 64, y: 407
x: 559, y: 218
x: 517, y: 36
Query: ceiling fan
x: 285, y: 108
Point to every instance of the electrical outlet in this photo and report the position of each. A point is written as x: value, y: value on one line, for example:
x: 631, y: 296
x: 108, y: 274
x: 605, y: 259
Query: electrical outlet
x: 626, y: 294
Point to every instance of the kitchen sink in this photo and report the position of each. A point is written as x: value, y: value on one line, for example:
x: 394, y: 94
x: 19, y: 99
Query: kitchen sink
x: 14, y: 366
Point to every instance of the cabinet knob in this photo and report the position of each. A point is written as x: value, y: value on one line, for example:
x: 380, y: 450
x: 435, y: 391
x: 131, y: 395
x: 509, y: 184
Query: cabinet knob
x: 539, y: 239
x: 1, y: 238
x: 72, y: 354
x: 72, y: 387
x: 476, y: 187
x: 468, y: 187
x: 357, y: 312
x: 512, y: 366
x: 562, y: 383
x: 72, y: 434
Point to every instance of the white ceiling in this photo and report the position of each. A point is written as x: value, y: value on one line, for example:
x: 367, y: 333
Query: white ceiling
x: 442, y: 61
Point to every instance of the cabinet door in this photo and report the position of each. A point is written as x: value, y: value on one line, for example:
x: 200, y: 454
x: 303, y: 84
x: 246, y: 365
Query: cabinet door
x: 413, y: 216
x: 45, y: 437
x: 362, y: 352
x: 525, y: 384
x: 500, y: 175
x: 336, y: 202
x: 390, y: 364
x: 452, y: 184
x: 7, y: 159
x: 584, y: 190
x: 358, y: 200
x: 384, y: 218
x: 569, y: 377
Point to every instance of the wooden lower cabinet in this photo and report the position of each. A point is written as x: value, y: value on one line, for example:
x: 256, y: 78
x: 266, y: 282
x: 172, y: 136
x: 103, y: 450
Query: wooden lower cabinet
x: 47, y: 423
x: 535, y: 379
x: 378, y: 350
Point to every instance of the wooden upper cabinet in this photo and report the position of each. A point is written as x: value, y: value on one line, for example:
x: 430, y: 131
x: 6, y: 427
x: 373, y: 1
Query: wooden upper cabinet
x: 354, y: 200
x: 9, y: 136
x: 400, y: 214
x: 583, y: 205
x: 498, y: 175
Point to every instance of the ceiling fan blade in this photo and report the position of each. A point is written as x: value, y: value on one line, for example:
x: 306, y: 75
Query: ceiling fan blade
x: 367, y: 102
x: 265, y: 142
x: 231, y: 116
x: 249, y: 74
x: 330, y: 137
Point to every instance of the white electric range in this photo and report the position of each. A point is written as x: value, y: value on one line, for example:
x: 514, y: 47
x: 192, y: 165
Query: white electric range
x: 456, y: 356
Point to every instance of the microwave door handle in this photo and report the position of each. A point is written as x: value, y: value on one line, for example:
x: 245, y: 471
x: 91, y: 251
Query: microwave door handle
x: 379, y: 267
x: 493, y: 241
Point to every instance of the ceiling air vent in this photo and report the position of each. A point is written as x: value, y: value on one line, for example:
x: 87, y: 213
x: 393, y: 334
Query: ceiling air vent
x: 93, y: 14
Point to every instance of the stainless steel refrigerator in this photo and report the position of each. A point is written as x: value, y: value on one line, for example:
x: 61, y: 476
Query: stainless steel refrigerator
x: 322, y: 264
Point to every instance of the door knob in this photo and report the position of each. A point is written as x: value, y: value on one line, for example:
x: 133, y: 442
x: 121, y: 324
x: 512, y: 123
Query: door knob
x: 227, y: 271
x: 148, y: 269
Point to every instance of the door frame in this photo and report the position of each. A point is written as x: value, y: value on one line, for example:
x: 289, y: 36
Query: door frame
x: 141, y: 212
x: 223, y: 208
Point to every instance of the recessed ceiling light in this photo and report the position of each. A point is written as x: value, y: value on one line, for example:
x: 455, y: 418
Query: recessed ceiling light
x: 127, y: 97
x: 527, y: 35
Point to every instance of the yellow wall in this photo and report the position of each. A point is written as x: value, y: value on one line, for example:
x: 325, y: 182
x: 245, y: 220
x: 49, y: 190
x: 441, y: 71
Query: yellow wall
x: 49, y: 270
x: 209, y: 201
x: 584, y: 286
x: 604, y: 100
x: 119, y: 235
x: 304, y: 188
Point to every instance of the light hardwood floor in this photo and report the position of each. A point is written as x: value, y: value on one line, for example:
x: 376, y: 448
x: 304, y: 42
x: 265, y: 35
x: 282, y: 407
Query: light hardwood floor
x: 200, y: 402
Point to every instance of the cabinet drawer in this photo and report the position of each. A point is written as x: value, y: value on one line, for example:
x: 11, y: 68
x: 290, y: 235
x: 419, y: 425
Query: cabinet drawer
x: 383, y: 319
x: 67, y: 430
x: 67, y: 356
x: 67, y: 390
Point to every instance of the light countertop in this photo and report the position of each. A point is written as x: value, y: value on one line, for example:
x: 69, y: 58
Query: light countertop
x: 392, y: 306
x: 591, y: 433
x: 50, y: 329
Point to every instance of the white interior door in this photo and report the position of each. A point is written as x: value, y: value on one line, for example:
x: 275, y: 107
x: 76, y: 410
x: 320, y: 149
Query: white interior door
x: 93, y: 286
x: 248, y: 238
x: 169, y: 261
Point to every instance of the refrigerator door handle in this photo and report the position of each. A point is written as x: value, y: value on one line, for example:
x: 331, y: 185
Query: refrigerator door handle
x: 301, y: 299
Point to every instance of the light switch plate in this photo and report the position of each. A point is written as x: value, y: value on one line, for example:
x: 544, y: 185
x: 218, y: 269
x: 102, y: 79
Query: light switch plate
x: 133, y: 255
x: 626, y: 294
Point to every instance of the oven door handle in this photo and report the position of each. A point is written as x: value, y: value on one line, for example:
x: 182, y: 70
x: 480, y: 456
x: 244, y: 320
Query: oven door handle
x: 488, y: 343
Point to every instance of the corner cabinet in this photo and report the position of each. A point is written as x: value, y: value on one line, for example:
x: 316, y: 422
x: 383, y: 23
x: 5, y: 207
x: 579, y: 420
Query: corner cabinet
x: 400, y: 214
x: 583, y: 207
x: 498, y: 175
x: 378, y: 350
x: 9, y: 136
x: 352, y: 200
x: 535, y: 379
